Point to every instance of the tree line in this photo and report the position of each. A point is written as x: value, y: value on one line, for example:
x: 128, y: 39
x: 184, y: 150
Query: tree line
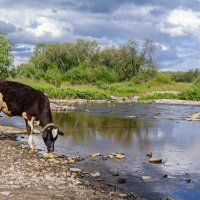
x: 84, y: 61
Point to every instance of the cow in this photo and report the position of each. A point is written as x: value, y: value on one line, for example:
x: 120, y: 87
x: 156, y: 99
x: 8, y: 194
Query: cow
x: 17, y: 99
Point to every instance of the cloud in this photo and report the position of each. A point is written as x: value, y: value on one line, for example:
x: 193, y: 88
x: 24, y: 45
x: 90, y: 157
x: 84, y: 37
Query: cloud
x: 6, y: 27
x: 173, y: 25
x: 181, y: 22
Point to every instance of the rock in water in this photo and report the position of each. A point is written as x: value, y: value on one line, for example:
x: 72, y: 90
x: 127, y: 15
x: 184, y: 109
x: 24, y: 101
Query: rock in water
x: 146, y: 178
x: 94, y: 155
x: 95, y: 174
x: 155, y: 160
x: 149, y: 154
x: 121, y: 180
x: 119, y: 156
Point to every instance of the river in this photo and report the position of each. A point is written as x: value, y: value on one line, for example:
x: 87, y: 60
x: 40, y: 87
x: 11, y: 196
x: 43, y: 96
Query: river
x: 135, y: 130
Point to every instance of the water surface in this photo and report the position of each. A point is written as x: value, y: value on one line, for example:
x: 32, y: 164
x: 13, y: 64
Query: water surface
x: 134, y: 129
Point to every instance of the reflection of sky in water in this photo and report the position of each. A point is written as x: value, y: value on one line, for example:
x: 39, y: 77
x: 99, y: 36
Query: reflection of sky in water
x: 107, y: 129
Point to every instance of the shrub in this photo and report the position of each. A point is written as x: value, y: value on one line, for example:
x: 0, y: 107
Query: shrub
x: 53, y: 76
x: 29, y: 71
x: 4, y: 73
x: 82, y: 74
x: 163, y: 78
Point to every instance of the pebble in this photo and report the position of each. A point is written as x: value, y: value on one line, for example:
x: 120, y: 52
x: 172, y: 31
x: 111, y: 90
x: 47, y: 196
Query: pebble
x: 5, y: 193
x: 71, y: 161
x: 94, y: 155
x: 121, y: 180
x: 169, y: 198
x: 155, y: 160
x: 104, y: 158
x: 95, y: 174
x: 119, y: 156
x: 146, y: 178
x: 75, y: 170
x: 149, y: 154
x: 165, y: 176
x: 115, y: 173
x: 188, y: 180
x: 123, y: 195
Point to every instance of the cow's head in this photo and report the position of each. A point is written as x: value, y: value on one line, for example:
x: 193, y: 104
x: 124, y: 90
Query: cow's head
x: 50, y: 134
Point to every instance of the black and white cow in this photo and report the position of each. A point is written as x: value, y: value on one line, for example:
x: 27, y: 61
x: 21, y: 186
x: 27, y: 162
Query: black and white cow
x: 17, y: 99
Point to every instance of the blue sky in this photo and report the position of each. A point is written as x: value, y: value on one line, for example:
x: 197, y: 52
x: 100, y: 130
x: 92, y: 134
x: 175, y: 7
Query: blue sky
x: 173, y: 25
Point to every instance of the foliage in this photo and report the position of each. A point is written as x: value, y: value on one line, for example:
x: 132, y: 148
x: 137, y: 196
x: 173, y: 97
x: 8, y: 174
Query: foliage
x: 29, y: 71
x: 163, y: 95
x: 4, y: 73
x: 107, y: 65
x: 53, y: 76
x: 72, y: 93
x: 162, y: 78
x: 5, y: 56
x: 187, y: 77
x: 98, y: 75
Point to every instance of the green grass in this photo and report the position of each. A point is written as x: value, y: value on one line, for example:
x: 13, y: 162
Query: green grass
x: 149, y: 90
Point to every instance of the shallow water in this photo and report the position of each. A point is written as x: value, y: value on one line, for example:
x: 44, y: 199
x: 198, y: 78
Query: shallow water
x: 134, y: 129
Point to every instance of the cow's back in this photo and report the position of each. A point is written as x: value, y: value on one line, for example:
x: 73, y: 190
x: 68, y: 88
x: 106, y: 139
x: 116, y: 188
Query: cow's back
x: 21, y: 98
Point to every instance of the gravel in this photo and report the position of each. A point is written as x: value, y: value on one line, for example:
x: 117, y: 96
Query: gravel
x: 26, y: 175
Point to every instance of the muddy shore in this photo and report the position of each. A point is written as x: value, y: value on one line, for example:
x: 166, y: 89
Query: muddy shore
x: 28, y: 175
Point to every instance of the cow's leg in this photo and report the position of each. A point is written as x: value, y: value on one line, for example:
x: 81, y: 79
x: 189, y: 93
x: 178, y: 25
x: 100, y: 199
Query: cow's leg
x: 29, y: 127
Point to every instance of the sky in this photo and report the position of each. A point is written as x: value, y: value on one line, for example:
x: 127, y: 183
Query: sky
x: 173, y: 25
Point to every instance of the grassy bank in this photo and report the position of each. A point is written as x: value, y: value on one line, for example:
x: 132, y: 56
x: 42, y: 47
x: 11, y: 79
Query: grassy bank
x: 191, y: 92
x: 149, y: 90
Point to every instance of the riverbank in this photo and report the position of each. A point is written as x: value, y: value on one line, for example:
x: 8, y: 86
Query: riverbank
x: 27, y: 175
x: 68, y: 104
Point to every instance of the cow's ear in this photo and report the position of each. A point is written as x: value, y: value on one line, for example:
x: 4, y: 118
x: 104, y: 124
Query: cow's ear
x: 60, y: 132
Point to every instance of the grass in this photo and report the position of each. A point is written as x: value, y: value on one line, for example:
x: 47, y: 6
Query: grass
x: 149, y: 90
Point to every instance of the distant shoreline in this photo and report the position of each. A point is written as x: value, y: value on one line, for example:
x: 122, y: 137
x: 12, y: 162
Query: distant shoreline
x: 124, y: 100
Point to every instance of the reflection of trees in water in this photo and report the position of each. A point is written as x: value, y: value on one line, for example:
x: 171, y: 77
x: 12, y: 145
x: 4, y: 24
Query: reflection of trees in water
x: 85, y: 127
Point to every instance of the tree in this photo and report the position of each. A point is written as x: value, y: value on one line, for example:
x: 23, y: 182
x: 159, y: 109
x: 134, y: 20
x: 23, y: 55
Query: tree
x: 6, y: 57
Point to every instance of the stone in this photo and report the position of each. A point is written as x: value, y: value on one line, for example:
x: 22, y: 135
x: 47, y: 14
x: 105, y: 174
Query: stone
x: 119, y: 156
x: 121, y: 180
x: 149, y: 154
x: 155, y: 160
x: 165, y: 176
x: 146, y: 178
x: 49, y: 156
x: 104, y: 158
x: 169, y: 198
x: 94, y: 155
x: 123, y: 195
x: 115, y: 173
x: 188, y: 180
x: 111, y: 156
x: 71, y: 161
x: 77, y: 170
x: 95, y: 174
x: 5, y: 193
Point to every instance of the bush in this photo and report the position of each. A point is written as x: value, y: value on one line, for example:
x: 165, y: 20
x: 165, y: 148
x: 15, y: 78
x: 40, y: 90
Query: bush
x: 53, y: 76
x: 72, y: 93
x: 29, y: 71
x: 4, y: 73
x: 82, y: 74
x: 163, y: 78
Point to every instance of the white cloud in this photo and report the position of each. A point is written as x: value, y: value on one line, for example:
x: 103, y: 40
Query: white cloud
x: 181, y: 22
x: 30, y: 22
x: 45, y: 26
